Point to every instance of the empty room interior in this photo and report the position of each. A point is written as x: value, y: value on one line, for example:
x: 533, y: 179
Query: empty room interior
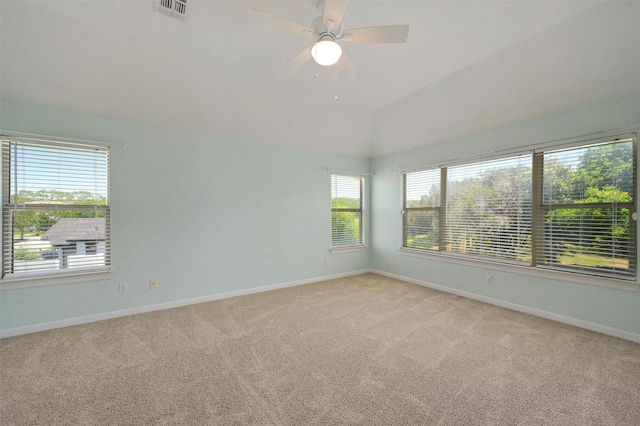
x: 335, y: 212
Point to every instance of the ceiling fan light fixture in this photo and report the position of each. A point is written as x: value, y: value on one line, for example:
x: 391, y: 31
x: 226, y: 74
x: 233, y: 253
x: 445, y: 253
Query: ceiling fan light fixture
x: 326, y: 52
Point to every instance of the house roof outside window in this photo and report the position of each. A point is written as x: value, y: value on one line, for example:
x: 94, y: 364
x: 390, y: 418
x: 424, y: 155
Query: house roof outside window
x: 71, y: 230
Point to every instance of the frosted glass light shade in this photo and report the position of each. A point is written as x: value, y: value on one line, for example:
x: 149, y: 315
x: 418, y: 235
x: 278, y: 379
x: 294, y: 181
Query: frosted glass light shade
x: 326, y: 52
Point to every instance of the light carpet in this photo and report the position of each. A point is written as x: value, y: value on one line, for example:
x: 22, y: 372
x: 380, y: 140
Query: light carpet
x: 359, y: 350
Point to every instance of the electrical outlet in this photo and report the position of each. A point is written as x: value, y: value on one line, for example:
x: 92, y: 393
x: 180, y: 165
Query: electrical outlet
x: 489, y: 279
x: 326, y: 262
x: 153, y: 283
x: 122, y: 288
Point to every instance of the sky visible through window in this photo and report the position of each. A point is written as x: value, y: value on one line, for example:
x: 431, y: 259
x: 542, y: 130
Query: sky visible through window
x: 46, y: 168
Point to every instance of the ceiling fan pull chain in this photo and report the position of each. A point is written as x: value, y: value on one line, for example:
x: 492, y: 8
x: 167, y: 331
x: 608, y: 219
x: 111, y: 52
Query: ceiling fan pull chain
x: 335, y: 67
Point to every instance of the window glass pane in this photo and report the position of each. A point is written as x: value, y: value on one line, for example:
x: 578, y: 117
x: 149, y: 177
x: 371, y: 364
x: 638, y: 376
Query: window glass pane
x: 345, y: 228
x: 345, y: 192
x: 488, y: 209
x: 421, y: 229
x: 50, y: 174
x: 574, y: 175
x: 591, y: 240
x: 422, y: 189
x: 55, y: 240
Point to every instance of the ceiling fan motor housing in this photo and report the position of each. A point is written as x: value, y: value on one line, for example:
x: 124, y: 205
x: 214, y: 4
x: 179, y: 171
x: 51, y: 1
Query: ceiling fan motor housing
x: 320, y: 29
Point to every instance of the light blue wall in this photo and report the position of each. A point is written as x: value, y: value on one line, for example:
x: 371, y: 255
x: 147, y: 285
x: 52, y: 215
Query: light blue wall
x: 617, y: 309
x: 204, y: 214
x: 207, y: 215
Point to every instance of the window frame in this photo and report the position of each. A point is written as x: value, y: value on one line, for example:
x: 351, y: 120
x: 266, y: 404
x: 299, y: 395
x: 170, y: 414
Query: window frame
x: 93, y: 272
x: 534, y: 268
x: 359, y: 211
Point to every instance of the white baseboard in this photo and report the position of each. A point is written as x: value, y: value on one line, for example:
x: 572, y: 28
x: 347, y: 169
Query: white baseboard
x: 185, y: 302
x: 175, y: 304
x: 520, y: 308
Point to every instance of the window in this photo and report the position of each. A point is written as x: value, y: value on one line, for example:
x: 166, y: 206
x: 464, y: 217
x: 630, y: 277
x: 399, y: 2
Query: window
x: 489, y: 209
x: 421, y: 210
x: 346, y: 211
x: 585, y: 210
x: 569, y: 209
x: 55, y: 211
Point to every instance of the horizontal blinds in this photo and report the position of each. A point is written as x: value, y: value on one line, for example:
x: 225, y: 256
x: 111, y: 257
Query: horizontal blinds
x: 56, y: 208
x: 488, y: 209
x: 422, y: 189
x: 346, y: 210
x: 421, y: 209
x: 586, y: 209
x: 50, y: 173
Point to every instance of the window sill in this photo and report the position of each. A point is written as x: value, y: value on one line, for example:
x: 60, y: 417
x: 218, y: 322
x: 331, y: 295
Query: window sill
x: 527, y: 270
x: 14, y: 283
x: 346, y: 249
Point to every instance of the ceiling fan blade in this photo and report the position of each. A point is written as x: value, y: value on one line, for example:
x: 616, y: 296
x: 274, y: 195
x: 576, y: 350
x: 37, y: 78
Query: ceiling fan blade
x: 279, y: 22
x: 333, y: 13
x: 298, y: 61
x: 374, y: 35
x: 347, y: 69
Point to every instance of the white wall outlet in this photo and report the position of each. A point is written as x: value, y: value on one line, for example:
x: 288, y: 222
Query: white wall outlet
x: 489, y: 279
x: 122, y: 288
x: 326, y: 262
x: 153, y: 283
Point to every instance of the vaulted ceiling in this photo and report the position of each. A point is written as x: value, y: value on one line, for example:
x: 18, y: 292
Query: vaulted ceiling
x: 467, y: 66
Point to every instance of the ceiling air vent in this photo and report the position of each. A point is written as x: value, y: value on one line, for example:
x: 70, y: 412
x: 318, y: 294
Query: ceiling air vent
x: 175, y: 8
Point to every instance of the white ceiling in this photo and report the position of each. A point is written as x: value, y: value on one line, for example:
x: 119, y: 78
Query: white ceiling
x: 466, y: 67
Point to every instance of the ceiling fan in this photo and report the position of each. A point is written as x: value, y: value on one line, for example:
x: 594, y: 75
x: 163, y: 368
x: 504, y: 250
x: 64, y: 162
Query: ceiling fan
x: 327, y: 31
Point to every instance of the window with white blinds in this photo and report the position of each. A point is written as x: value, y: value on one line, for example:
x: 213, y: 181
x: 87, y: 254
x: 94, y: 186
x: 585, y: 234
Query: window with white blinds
x: 489, y: 209
x: 586, y: 207
x: 346, y: 211
x: 569, y: 209
x: 422, y: 209
x: 55, y: 210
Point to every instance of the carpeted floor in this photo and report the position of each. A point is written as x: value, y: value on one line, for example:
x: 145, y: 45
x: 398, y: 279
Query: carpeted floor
x: 360, y: 350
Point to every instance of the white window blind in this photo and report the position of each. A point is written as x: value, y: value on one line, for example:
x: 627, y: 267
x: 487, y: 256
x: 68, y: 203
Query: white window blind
x: 585, y: 212
x: 488, y: 209
x: 55, y: 211
x: 569, y: 209
x: 346, y: 210
x: 421, y: 209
